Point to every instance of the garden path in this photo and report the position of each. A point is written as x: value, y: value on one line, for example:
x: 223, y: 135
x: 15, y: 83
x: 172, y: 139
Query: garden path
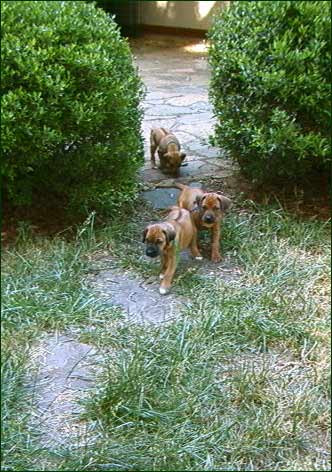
x: 176, y: 75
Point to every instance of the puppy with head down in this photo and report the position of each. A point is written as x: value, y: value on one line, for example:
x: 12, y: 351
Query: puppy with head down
x: 164, y: 239
x: 169, y: 150
x: 207, y: 210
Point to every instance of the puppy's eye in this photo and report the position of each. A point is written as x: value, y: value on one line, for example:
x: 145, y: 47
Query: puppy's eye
x: 204, y: 207
x: 159, y: 241
x: 216, y: 208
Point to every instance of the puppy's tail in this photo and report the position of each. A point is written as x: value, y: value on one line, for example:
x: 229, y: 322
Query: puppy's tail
x: 180, y: 186
x: 171, y: 184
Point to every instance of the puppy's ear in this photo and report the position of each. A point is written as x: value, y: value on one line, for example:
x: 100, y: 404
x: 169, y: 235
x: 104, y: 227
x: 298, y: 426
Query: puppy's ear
x: 199, y: 199
x: 170, y: 235
x: 183, y: 155
x: 144, y: 234
x: 224, y: 202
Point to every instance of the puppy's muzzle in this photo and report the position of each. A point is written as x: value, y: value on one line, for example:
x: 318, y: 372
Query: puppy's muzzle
x: 152, y: 250
x: 209, y: 219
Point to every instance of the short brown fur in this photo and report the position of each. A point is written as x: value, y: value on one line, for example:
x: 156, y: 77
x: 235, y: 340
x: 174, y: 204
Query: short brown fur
x: 177, y: 231
x: 168, y: 146
x: 207, y: 210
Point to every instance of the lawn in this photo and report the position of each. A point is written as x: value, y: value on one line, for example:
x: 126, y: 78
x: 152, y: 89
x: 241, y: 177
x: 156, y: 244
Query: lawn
x: 239, y: 382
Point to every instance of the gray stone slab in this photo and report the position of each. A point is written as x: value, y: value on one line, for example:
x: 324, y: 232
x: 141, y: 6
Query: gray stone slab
x: 140, y: 301
x: 168, y: 110
x: 204, y: 150
x: 202, y: 107
x: 197, y: 167
x: 162, y: 95
x: 188, y: 99
x: 199, y: 129
x: 152, y: 175
x: 63, y: 371
x: 161, y: 198
x: 196, y: 118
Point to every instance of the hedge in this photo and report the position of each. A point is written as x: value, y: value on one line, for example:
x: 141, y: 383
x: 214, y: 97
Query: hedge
x: 270, y: 87
x: 71, y: 117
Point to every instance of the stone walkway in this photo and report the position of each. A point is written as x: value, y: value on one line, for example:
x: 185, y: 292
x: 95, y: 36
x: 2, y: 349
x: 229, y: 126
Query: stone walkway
x: 61, y: 372
x: 177, y: 80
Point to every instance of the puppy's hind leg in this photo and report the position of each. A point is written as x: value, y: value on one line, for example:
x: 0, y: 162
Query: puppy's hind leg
x: 168, y: 275
x: 215, y: 253
x: 194, y: 248
x: 153, y: 148
x: 164, y: 263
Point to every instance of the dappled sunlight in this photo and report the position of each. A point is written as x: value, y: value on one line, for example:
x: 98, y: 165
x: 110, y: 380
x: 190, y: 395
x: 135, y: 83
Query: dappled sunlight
x: 162, y: 5
x: 203, y: 8
x: 195, y: 14
x: 199, y: 47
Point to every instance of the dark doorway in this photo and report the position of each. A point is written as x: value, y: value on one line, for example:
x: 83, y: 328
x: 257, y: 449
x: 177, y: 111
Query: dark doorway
x: 127, y: 15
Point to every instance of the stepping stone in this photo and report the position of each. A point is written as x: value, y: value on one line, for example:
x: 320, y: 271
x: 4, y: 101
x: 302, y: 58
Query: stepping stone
x: 64, y: 370
x: 168, y: 110
x: 189, y: 99
x: 152, y: 175
x: 161, y: 95
x: 161, y: 198
x: 200, y: 130
x: 198, y: 167
x: 199, y: 107
x: 140, y: 301
x: 195, y: 119
x: 204, y: 150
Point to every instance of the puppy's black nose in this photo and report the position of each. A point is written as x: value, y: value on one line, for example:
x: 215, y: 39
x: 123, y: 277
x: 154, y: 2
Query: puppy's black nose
x: 151, y: 252
x: 209, y: 219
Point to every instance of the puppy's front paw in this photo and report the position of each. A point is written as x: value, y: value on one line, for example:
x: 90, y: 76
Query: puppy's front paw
x: 199, y: 258
x: 163, y: 290
x: 161, y: 276
x: 216, y: 258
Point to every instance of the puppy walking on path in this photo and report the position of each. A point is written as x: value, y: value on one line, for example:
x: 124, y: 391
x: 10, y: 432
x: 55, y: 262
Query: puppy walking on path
x: 207, y: 209
x: 164, y: 239
x: 168, y: 146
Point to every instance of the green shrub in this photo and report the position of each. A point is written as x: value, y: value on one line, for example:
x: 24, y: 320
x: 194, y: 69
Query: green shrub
x: 270, y: 87
x: 70, y: 105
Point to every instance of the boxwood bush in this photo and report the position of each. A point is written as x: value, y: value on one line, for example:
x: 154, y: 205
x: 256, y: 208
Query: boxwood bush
x: 270, y: 87
x: 70, y: 105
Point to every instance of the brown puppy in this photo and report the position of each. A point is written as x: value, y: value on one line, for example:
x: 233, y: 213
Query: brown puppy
x: 168, y: 147
x: 207, y: 210
x: 163, y: 239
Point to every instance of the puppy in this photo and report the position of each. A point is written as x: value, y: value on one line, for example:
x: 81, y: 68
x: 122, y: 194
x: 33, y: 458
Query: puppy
x: 168, y: 147
x: 163, y: 239
x: 207, y: 209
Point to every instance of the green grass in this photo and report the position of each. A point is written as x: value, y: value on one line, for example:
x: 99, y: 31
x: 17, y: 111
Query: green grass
x: 239, y: 382
x: 43, y: 290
